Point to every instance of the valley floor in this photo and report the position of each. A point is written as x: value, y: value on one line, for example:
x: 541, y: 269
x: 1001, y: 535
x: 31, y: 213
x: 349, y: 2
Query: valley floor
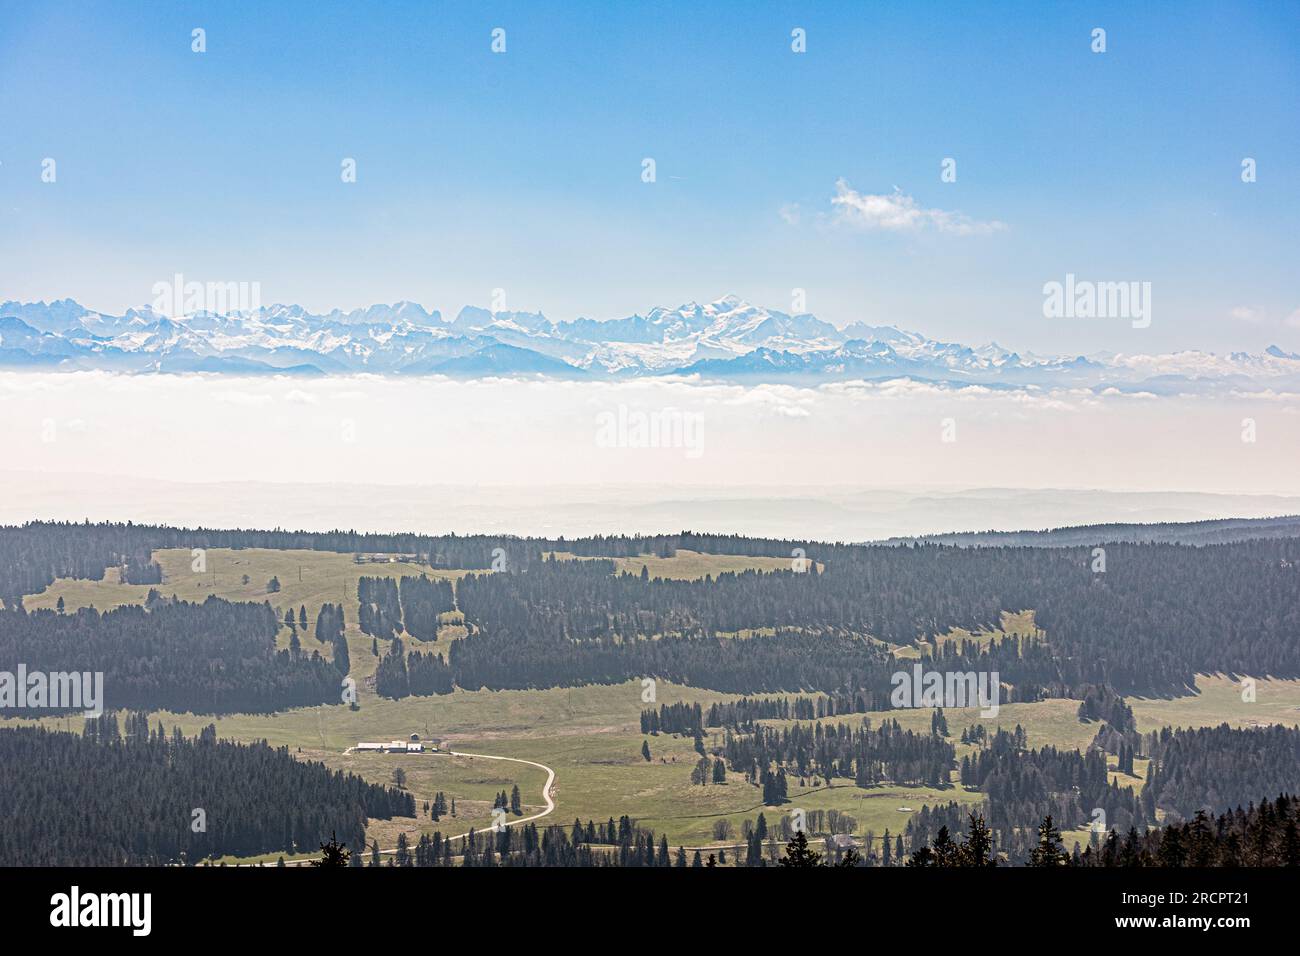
x: 590, y: 735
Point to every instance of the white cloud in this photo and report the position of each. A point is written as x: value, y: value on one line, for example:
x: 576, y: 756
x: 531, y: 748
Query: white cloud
x: 1268, y: 395
x: 899, y: 212
x: 1246, y: 313
x: 235, y: 397
x: 531, y: 436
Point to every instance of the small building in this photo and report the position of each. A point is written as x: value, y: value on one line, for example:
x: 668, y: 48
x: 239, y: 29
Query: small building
x: 414, y: 746
x: 844, y: 841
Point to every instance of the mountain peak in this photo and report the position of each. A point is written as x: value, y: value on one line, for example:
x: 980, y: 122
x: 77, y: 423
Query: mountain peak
x: 727, y: 339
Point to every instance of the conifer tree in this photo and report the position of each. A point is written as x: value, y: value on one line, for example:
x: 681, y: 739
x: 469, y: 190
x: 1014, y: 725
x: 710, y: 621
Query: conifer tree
x: 798, y: 853
x: 978, y: 848
x: 1050, y: 851
x: 333, y: 853
x: 946, y: 851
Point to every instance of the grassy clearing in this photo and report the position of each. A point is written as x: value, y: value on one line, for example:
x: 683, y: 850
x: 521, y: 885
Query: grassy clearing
x: 308, y: 578
x: 1013, y: 624
x: 1046, y: 723
x: 590, y: 735
x: 312, y: 578
x: 1137, y: 780
x: 690, y: 565
x: 1219, y: 701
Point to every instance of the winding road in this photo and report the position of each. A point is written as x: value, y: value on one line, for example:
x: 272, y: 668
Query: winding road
x: 546, y: 788
x: 546, y: 795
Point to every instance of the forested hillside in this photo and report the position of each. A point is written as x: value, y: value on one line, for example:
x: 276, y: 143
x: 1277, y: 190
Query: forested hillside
x: 1264, y: 833
x: 1154, y: 618
x: 215, y: 657
x: 829, y: 635
x: 1142, y: 618
x: 127, y: 795
x: 1217, y: 768
x: 1217, y: 531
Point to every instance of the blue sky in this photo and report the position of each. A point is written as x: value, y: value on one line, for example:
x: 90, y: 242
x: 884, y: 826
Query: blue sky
x: 522, y: 170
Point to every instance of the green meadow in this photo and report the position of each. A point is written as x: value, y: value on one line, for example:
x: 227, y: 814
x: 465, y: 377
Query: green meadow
x: 590, y: 735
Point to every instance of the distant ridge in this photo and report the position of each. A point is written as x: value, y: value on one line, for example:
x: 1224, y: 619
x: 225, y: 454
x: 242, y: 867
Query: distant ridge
x: 1217, y: 531
x: 728, y: 340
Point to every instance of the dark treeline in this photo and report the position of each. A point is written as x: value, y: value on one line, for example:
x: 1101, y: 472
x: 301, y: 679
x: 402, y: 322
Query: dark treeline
x: 851, y: 668
x: 329, y: 629
x: 781, y: 662
x: 524, y: 846
x: 1104, y: 704
x: 418, y: 673
x: 667, y: 545
x: 216, y: 657
x: 924, y: 825
x: 140, y: 570
x: 586, y: 600
x: 128, y: 795
x: 1157, y: 616
x: 409, y: 604
x: 34, y: 554
x: 423, y: 600
x: 976, y: 734
x: 1153, y: 618
x: 741, y: 714
x: 379, y: 613
x: 954, y: 836
x: 1123, y: 746
x: 1263, y: 835
x: 1023, y: 786
x: 1266, y: 835
x: 1213, y: 531
x: 1205, y: 770
x: 933, y: 826
x: 864, y: 755
x: 687, y: 719
x: 330, y: 622
x: 978, y: 849
x: 623, y: 844
x: 1217, y: 768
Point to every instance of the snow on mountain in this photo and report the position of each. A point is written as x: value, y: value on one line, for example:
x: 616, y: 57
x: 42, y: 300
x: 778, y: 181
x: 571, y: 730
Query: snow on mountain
x: 472, y: 319
x: 728, y: 339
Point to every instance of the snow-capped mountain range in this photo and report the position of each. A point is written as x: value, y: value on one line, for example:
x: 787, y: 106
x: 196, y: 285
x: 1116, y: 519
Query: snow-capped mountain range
x: 725, y: 340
